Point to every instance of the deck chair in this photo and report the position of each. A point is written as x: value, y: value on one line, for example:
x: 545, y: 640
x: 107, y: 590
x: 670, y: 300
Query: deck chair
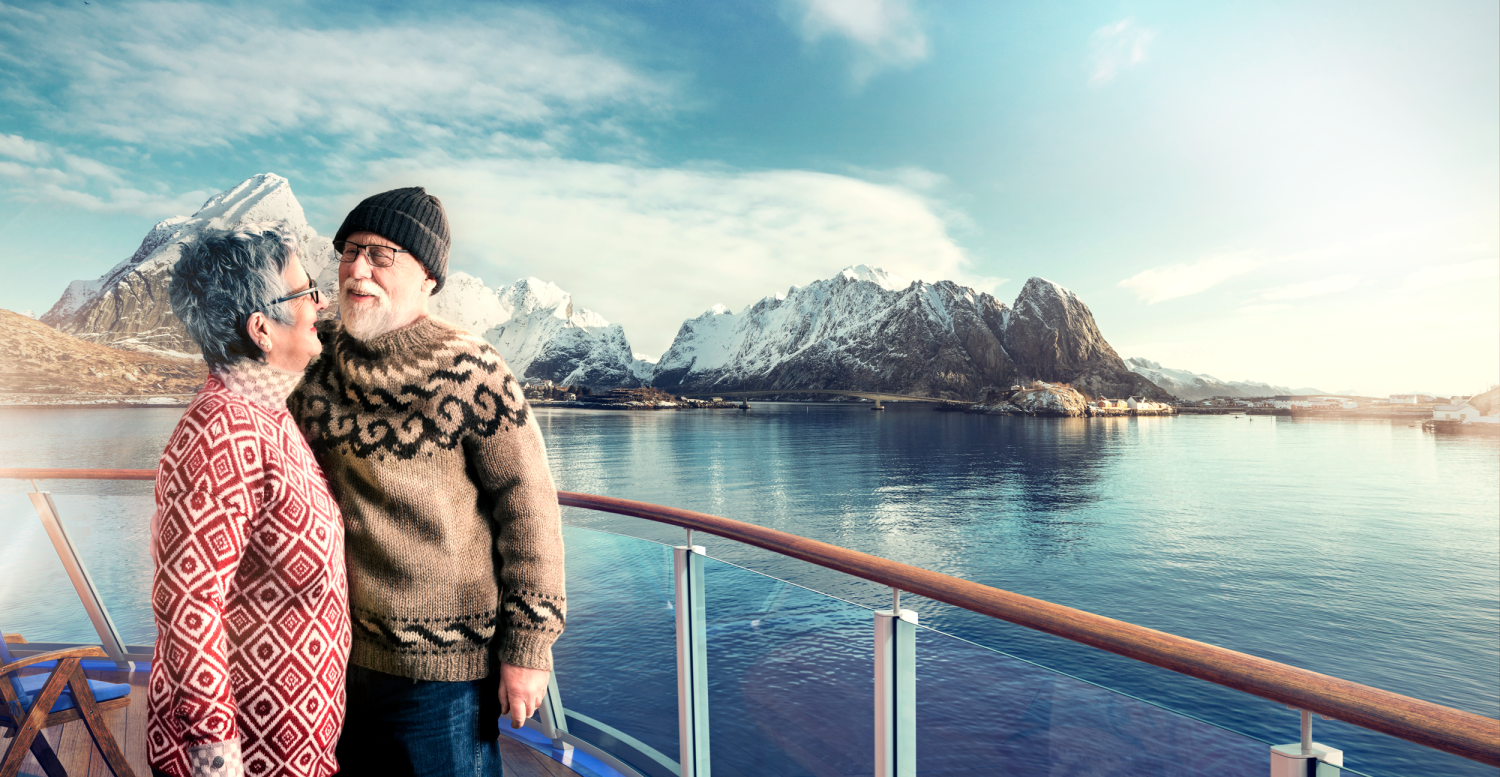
x: 40, y: 701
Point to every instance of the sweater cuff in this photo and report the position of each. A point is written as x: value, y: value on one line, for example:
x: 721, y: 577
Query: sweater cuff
x: 216, y: 759
x: 527, y: 648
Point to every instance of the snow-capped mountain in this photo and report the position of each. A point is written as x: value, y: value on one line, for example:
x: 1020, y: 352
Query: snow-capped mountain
x: 534, y: 326
x: 532, y: 323
x: 1193, y: 386
x: 868, y: 329
x: 128, y: 307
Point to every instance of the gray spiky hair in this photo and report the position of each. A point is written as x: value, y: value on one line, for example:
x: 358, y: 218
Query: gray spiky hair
x: 225, y: 275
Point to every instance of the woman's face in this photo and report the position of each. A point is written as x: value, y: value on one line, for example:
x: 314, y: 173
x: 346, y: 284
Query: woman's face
x: 294, y: 345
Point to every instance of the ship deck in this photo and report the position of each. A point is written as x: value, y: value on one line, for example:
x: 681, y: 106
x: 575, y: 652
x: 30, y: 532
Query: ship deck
x: 81, y: 759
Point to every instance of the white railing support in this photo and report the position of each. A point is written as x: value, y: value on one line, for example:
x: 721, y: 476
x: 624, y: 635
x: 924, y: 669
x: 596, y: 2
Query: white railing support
x: 896, y: 691
x: 109, y: 636
x: 555, y: 721
x: 1303, y: 758
x: 692, y: 661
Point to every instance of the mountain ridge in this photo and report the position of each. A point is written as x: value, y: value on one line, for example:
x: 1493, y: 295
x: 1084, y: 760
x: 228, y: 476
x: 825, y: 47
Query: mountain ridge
x: 864, y: 328
x: 861, y: 329
x: 1194, y: 386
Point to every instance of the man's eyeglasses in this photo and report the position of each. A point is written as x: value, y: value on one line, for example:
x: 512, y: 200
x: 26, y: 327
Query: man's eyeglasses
x: 380, y: 256
x: 310, y: 291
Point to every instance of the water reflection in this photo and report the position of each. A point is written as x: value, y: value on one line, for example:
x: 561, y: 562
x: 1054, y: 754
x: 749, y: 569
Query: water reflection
x: 1365, y: 550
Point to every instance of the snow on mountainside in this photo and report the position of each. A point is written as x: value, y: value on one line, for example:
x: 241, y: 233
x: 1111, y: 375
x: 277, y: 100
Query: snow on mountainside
x: 534, y: 326
x: 703, y: 344
x: 127, y: 307
x: 1192, y: 386
x: 643, y: 368
x: 885, y: 280
x: 1184, y: 384
x: 866, y: 329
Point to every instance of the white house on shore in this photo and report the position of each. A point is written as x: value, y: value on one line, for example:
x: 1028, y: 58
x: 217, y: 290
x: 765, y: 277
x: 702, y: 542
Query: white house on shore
x: 1463, y: 413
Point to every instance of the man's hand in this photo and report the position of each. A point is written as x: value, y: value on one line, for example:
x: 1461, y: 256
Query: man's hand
x: 521, y: 692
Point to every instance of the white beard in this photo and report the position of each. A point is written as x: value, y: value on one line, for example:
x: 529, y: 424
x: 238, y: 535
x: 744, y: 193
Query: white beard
x: 365, y: 321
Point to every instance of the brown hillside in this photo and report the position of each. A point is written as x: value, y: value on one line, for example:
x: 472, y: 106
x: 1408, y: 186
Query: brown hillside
x: 1488, y: 403
x: 37, y: 359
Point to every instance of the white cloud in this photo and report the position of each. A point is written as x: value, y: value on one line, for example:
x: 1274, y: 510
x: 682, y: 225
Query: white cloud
x: 1159, y: 284
x: 17, y: 147
x: 90, y: 168
x: 71, y: 186
x: 1307, y: 289
x: 192, y: 75
x: 68, y: 180
x: 12, y: 11
x: 885, y: 33
x: 1116, y: 47
x: 122, y: 199
x: 648, y: 248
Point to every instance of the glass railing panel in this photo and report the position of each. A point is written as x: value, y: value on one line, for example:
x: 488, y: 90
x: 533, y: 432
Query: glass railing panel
x: 791, y: 678
x: 980, y: 711
x: 110, y: 527
x: 1329, y: 770
x: 616, y: 664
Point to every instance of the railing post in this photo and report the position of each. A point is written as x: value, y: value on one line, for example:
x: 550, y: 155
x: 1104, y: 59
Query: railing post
x: 555, y: 720
x: 1302, y: 758
x: 692, y: 660
x: 895, y: 691
x: 109, y: 636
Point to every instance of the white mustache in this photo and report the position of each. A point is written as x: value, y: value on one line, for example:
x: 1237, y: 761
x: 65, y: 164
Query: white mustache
x: 357, y: 286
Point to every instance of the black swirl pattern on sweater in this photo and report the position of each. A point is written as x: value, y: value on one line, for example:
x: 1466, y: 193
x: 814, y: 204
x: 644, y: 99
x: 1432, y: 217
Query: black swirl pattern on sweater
x: 454, y: 395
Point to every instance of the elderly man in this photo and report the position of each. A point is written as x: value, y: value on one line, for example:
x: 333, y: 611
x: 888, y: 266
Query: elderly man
x: 454, y: 547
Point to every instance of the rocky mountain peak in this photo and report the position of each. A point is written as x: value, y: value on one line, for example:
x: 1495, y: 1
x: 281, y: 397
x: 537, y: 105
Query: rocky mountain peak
x: 1051, y: 330
x: 885, y: 280
x: 128, y: 307
x: 531, y: 294
x: 867, y: 329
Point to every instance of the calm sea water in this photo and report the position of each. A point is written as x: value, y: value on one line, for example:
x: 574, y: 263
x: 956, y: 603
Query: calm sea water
x: 1362, y: 549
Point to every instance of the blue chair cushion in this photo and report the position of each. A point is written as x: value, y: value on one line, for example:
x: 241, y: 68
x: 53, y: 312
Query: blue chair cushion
x: 31, y: 685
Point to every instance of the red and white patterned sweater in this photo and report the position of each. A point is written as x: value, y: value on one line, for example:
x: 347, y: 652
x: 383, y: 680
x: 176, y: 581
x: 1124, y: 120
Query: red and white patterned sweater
x: 249, y: 592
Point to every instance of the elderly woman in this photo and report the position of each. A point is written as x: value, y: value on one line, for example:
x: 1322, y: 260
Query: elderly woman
x: 249, y: 590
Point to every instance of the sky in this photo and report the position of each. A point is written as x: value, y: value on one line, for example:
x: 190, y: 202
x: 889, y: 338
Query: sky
x: 1300, y: 193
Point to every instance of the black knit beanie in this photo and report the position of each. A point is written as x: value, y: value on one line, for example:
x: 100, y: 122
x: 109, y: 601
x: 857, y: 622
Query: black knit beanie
x: 409, y: 217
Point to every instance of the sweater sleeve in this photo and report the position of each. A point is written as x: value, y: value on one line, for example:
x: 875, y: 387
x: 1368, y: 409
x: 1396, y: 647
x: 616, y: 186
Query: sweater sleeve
x: 510, y: 466
x: 198, y: 547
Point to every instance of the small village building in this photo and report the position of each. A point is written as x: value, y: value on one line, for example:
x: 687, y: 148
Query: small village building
x: 1447, y: 413
x: 1463, y: 413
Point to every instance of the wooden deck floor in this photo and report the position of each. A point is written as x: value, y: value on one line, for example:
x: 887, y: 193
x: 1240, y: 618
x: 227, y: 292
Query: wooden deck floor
x: 76, y: 750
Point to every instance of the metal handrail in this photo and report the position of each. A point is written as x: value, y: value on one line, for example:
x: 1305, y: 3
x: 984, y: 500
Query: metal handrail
x: 1464, y: 734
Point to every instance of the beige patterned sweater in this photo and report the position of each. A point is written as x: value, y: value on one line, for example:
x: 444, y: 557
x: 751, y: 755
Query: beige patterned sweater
x: 451, y: 525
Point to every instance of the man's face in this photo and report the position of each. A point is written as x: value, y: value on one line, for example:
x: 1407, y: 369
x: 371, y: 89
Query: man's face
x: 375, y: 300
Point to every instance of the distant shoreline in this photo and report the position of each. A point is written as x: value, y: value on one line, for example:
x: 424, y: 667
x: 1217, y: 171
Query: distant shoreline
x: 96, y: 400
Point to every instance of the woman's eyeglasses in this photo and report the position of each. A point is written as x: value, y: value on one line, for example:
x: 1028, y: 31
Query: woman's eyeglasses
x: 310, y: 291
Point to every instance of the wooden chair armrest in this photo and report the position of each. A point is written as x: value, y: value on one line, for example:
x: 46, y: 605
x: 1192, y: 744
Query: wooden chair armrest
x: 53, y: 655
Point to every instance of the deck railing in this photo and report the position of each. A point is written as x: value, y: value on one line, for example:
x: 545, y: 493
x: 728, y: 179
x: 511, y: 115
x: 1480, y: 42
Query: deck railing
x: 1465, y: 734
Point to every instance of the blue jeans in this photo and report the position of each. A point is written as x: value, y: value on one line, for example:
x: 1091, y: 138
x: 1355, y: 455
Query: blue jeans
x: 398, y: 726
